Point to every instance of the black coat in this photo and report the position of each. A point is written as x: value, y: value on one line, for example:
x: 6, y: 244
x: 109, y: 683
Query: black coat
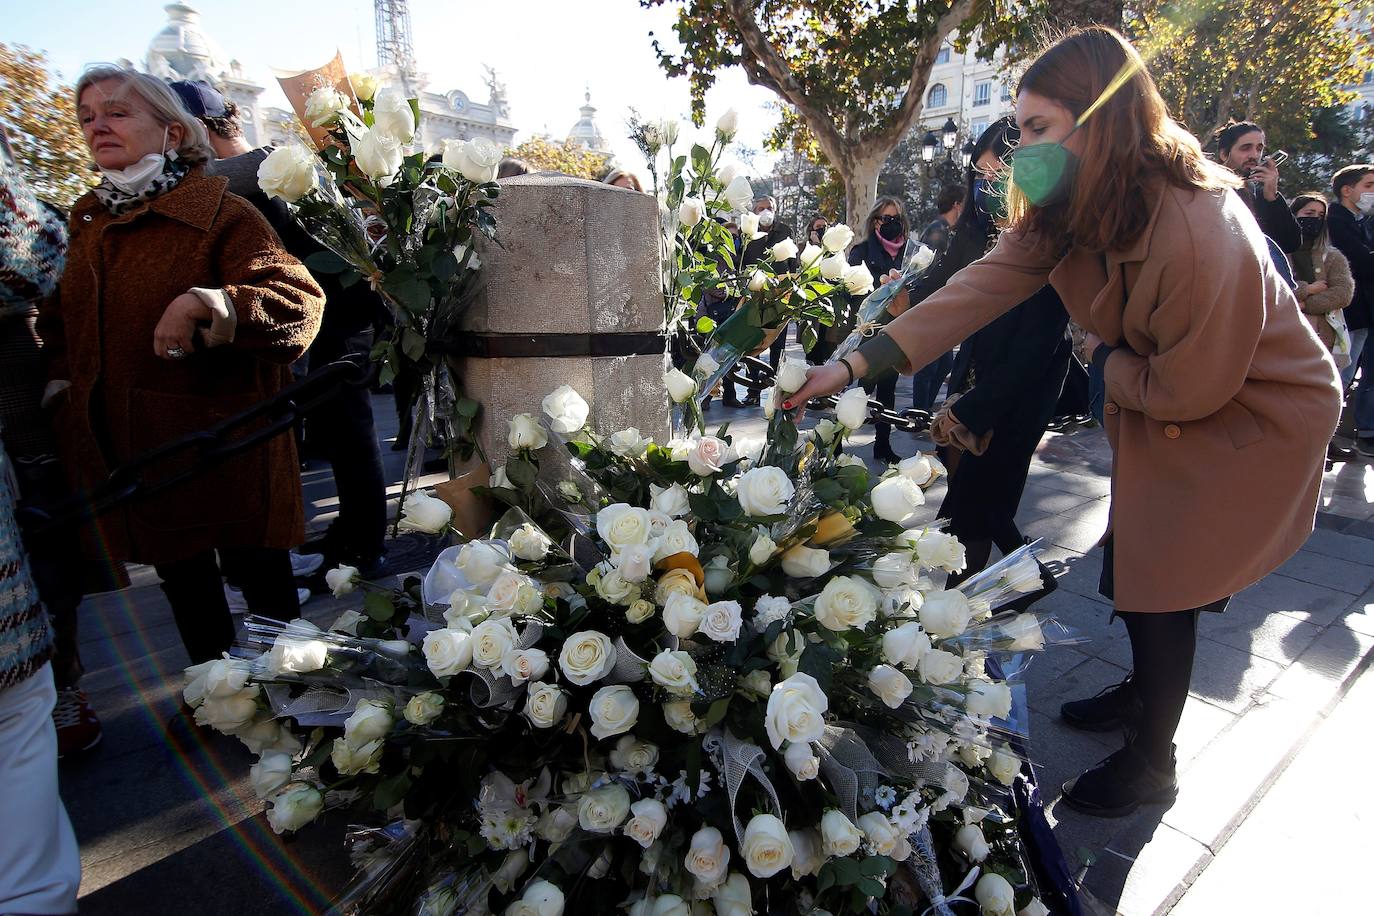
x: 757, y: 250
x: 1275, y: 219
x: 1009, y: 376
x: 1349, y: 238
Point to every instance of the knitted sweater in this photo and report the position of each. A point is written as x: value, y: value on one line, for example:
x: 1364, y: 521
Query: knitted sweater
x: 33, y: 239
x: 25, y: 641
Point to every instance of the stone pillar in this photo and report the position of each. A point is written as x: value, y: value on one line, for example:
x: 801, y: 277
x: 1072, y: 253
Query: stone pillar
x: 576, y: 269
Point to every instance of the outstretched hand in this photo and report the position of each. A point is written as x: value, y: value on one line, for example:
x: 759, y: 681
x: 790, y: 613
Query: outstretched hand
x: 823, y: 380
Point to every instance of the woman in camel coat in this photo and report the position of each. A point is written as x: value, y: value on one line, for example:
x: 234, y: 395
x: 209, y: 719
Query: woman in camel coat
x: 1219, y: 398
x: 177, y: 309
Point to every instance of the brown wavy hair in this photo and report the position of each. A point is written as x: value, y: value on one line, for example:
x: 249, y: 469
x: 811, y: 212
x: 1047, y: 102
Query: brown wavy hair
x: 1130, y: 145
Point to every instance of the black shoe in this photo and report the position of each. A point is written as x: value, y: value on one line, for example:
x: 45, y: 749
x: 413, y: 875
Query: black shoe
x: 752, y: 400
x: 731, y: 400
x: 1335, y: 452
x: 1111, y: 708
x: 1365, y: 447
x: 883, y: 454
x: 1120, y: 784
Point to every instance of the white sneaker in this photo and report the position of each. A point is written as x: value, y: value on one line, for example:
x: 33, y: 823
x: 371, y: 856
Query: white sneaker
x: 303, y: 564
x: 238, y: 605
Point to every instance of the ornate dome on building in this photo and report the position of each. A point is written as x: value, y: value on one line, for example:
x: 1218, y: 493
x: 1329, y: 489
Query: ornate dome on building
x: 182, y: 49
x: 587, y: 132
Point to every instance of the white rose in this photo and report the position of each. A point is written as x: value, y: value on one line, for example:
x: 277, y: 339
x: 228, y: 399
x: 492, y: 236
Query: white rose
x: 734, y: 898
x: 481, y: 562
x: 880, y: 832
x: 709, y: 455
x: 988, y: 700
x: 491, y: 640
x: 270, y: 773
x: 708, y: 858
x: 765, y: 846
x: 938, y: 550
x: 674, y: 671
x: 424, y: 513
x: 728, y: 123
x: 1024, y: 630
x: 464, y: 607
x: 691, y: 211
x: 288, y: 173
x: 323, y: 106
x: 893, y: 570
x: 758, y: 280
x: 945, y: 613
x: 569, y: 491
x: 940, y: 667
x: 921, y: 468
x: 705, y: 366
x: 628, y: 443
x: 852, y: 408
x: 680, y: 385
x: 889, y: 685
x: 802, y: 562
x: 476, y: 160
x: 364, y: 85
x: 341, y: 580
x: 633, y: 565
x: 783, y: 251
x: 545, y: 705
x: 739, y: 193
x: 833, y: 267
x: 604, y: 809
x: 749, y: 226
x: 837, y: 238
x: 391, y: 114
x: 680, y: 718
x: 621, y: 525
x: 640, y: 610
x: 671, y: 501
x: 995, y: 895
x: 721, y: 621
x: 229, y: 714
x: 1024, y: 576
x: 424, y: 708
x: 447, y: 651
x: 676, y: 538
x: 294, y: 652
x: 499, y: 480
x: 858, y: 280
x: 787, y: 647
x: 904, y: 601
x: 634, y: 756
x: 758, y: 683
x: 1004, y: 766
x: 522, y: 665
x: 791, y: 375
x: 764, y: 491
x: 770, y: 398
x: 378, y: 155
x: 810, y: 256
x: 293, y: 808
x: 839, y: 836
x: 586, y: 657
x: 648, y: 820
x: 825, y: 431
x: 566, y: 410
x: 351, y: 759
x: 906, y: 645
x: 896, y: 499
x: 371, y: 719
x: 763, y: 548
x: 525, y: 432
x: 529, y: 543
x: 614, y: 711
x: 802, y: 763
x: 347, y: 622
x: 1034, y: 908
x: 512, y: 867
x: 847, y: 603
x: 796, y: 711
x: 969, y: 840
x: 807, y: 857
x: 682, y: 614
x: 674, y: 582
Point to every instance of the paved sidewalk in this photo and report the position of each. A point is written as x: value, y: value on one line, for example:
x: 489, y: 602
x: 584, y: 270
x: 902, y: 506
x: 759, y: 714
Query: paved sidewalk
x: 168, y: 823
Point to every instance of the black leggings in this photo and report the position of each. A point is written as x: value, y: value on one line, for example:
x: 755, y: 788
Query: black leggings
x: 1162, y: 647
x: 196, y: 593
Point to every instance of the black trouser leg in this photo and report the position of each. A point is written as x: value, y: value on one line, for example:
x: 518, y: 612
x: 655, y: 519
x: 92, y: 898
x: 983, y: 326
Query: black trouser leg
x: 1162, y: 647
x: 885, y: 390
x: 264, y: 574
x: 196, y: 594
x: 976, y: 555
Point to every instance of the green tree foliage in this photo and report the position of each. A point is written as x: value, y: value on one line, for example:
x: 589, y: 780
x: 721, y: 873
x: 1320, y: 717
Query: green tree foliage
x: 39, y: 118
x: 569, y: 157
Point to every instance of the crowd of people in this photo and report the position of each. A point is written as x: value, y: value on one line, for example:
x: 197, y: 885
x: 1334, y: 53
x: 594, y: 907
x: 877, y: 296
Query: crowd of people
x: 175, y: 295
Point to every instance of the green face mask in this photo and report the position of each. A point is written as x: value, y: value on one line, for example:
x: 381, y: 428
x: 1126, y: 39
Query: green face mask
x: 1044, y: 172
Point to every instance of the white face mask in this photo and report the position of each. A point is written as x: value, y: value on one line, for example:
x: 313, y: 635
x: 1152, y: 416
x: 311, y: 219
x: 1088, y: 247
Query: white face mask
x: 1366, y: 203
x: 135, y: 179
x: 765, y: 218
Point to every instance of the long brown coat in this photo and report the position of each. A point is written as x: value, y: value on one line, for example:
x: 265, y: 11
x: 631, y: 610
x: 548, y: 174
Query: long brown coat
x: 121, y: 274
x: 1220, y: 399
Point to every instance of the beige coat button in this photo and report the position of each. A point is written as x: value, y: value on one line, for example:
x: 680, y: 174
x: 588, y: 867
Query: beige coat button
x: 1172, y: 431
x: 1109, y: 407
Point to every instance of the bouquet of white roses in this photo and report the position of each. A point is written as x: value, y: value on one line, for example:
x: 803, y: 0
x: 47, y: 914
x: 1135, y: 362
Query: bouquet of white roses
x: 712, y: 675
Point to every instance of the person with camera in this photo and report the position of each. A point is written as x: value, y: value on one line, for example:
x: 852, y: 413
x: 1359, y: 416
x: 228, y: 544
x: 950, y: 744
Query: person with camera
x: 1240, y: 146
x: 1220, y: 401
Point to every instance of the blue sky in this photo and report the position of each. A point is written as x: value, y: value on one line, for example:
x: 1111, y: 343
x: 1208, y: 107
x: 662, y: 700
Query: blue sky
x: 546, y: 51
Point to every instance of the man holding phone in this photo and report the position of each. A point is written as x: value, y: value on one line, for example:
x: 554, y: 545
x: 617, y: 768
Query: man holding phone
x: 1240, y: 147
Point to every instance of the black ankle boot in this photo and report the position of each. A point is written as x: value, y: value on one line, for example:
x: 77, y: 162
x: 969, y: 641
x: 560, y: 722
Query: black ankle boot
x: 1111, y: 708
x: 1120, y: 784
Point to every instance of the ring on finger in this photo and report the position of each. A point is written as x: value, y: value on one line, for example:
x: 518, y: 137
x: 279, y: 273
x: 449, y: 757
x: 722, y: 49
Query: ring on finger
x: 176, y: 353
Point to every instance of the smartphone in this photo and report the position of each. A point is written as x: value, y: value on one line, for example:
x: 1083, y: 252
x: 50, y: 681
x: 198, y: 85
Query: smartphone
x: 1278, y: 157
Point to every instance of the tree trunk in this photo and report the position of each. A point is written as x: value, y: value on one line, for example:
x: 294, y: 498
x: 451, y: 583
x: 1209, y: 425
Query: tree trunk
x: 860, y: 190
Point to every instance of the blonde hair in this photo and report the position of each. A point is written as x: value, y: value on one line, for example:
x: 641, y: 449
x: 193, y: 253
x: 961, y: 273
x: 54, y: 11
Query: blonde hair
x: 161, y: 102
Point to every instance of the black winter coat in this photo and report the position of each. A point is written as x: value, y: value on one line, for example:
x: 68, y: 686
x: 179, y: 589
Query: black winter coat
x: 1275, y: 219
x: 1348, y: 237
